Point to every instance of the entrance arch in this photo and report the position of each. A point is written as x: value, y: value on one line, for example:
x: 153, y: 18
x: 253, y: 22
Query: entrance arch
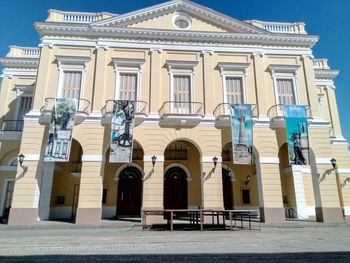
x: 129, y: 192
x: 175, y: 189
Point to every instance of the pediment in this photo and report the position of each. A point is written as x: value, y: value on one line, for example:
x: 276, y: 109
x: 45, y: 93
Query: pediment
x: 166, y: 16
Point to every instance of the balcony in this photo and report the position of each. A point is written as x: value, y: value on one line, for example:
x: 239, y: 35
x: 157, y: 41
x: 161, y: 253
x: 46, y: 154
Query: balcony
x: 141, y: 111
x: 277, y: 116
x: 76, y: 17
x: 83, y: 109
x: 224, y: 111
x: 280, y: 27
x: 11, y: 129
x: 175, y: 112
x: 30, y: 52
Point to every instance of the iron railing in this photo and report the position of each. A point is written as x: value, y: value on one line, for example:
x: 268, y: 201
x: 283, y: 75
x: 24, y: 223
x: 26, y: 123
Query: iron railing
x: 83, y: 105
x: 224, y: 110
x: 180, y: 108
x: 140, y: 106
x: 277, y: 111
x: 12, y: 125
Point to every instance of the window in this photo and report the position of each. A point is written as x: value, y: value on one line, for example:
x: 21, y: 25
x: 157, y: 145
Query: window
x: 182, y: 21
x: 182, y: 93
x: 71, y: 84
x: 128, y: 86
x: 9, y: 186
x: 285, y: 91
x: 25, y: 105
x: 234, y: 92
x: 245, y: 196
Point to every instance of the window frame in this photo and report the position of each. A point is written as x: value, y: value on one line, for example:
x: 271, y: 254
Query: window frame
x: 172, y: 74
x: 61, y: 81
x: 118, y: 73
x: 295, y: 90
x: 243, y: 79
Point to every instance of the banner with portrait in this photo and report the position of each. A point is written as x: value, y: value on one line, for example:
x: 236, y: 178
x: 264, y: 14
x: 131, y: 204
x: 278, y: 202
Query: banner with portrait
x: 242, y: 133
x: 297, y: 134
x: 122, y: 131
x: 60, y: 132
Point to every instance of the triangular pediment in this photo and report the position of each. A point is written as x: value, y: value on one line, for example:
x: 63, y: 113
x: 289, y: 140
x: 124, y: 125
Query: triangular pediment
x: 165, y: 16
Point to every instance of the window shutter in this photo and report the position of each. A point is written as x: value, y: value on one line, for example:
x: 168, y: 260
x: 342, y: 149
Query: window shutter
x: 71, y: 85
x: 285, y: 91
x: 234, y: 93
x: 25, y: 105
x: 128, y: 86
x: 182, y: 94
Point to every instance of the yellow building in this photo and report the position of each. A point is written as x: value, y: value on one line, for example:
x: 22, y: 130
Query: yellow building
x: 204, y: 61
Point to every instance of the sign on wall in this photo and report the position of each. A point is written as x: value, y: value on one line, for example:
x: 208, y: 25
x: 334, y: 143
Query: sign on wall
x: 242, y: 133
x: 60, y: 132
x: 122, y: 131
x: 297, y: 134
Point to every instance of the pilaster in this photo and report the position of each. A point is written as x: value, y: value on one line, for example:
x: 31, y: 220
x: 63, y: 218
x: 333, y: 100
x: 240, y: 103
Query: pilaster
x: 100, y: 79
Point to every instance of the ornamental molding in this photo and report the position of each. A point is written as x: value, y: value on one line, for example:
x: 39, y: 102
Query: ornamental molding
x: 225, y: 66
x: 18, y: 62
x: 128, y: 62
x: 284, y: 69
x: 173, y: 36
x: 183, y: 6
x: 177, y: 64
x: 326, y: 73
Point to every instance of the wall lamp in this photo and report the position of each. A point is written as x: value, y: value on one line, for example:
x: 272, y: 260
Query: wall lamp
x: 247, y: 180
x: 154, y: 159
x: 215, y: 161
x: 334, y: 163
x: 20, y: 160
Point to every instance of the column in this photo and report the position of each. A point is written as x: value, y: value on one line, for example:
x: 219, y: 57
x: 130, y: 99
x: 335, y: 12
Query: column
x: 212, y: 192
x: 270, y: 190
x: 100, y: 79
x: 26, y: 193
x: 155, y: 81
x: 210, y: 97
x: 310, y: 84
x: 333, y: 111
x: 259, y: 71
x: 303, y: 190
x: 90, y: 194
x: 45, y: 190
x: 153, y: 187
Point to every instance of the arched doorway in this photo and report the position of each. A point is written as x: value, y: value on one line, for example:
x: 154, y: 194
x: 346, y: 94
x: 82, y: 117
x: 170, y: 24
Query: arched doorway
x: 227, y: 189
x: 129, y: 192
x: 175, y: 189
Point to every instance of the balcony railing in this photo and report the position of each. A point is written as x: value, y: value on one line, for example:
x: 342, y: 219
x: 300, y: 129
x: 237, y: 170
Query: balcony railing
x: 176, y: 108
x: 280, y: 27
x: 140, y: 105
x: 82, y: 107
x: 277, y: 112
x: 224, y: 110
x: 12, y: 125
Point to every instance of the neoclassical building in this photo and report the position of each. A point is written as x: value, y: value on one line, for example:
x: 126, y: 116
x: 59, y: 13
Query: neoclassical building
x: 184, y: 65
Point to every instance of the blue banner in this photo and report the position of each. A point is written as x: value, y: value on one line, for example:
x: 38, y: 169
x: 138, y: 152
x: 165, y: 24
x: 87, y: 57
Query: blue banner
x: 297, y: 134
x: 122, y: 131
x: 242, y: 133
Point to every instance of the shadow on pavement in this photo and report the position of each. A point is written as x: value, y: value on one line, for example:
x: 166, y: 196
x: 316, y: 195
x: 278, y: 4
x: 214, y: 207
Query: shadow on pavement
x: 233, y: 257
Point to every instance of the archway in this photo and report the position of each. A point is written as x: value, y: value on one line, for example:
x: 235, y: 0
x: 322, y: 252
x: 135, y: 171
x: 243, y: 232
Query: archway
x: 182, y: 176
x: 129, y: 192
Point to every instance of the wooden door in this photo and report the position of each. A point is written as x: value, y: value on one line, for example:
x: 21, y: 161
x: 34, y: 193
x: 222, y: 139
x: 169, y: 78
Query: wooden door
x: 227, y: 190
x: 129, y: 192
x: 75, y: 200
x: 175, y: 189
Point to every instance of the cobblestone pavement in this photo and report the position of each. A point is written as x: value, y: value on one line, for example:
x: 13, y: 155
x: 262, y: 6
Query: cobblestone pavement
x: 130, y: 244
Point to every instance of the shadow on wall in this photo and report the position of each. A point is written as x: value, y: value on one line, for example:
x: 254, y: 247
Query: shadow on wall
x: 154, y: 258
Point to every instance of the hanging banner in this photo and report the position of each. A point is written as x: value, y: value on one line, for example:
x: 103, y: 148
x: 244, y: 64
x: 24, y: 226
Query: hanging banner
x: 60, y: 132
x: 297, y: 134
x: 122, y: 131
x: 242, y: 133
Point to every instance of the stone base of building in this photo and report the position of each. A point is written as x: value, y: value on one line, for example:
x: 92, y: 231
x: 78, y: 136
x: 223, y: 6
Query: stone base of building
x: 88, y: 216
x: 329, y: 214
x: 23, y: 216
x: 272, y: 214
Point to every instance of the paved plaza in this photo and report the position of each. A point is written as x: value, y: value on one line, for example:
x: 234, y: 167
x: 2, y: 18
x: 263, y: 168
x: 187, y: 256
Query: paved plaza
x: 126, y: 242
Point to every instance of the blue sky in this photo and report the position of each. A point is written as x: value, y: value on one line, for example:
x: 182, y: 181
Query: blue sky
x: 329, y: 19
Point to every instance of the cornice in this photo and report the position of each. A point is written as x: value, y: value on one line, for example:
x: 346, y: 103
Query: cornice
x: 18, y: 62
x: 173, y: 36
x: 326, y: 73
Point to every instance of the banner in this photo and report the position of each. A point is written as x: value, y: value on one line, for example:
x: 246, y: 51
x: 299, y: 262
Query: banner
x: 61, y: 128
x: 122, y: 131
x: 242, y: 133
x: 297, y: 134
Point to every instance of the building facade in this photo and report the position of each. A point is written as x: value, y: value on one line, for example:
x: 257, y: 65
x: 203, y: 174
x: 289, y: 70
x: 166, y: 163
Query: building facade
x: 183, y: 65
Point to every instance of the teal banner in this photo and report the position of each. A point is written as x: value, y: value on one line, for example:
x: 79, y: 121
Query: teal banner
x: 61, y: 129
x: 122, y: 131
x: 242, y: 133
x: 297, y: 134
